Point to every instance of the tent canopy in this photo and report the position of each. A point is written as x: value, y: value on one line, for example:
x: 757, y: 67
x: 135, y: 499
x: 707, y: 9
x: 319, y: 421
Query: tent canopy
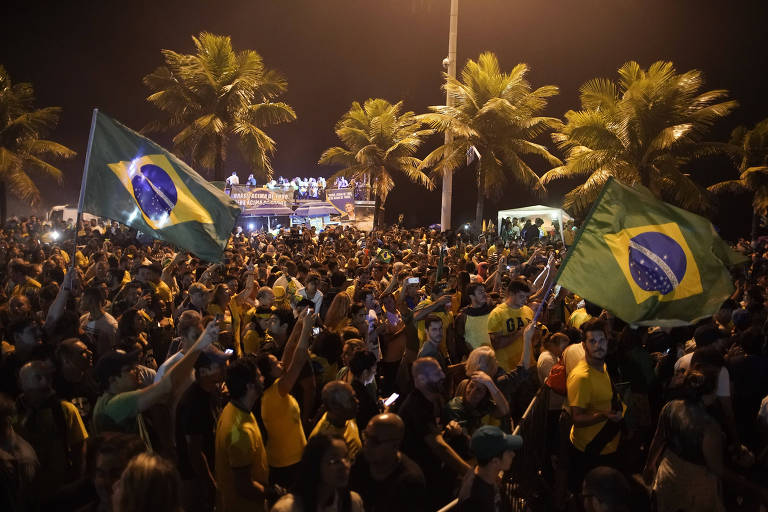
x: 546, y: 213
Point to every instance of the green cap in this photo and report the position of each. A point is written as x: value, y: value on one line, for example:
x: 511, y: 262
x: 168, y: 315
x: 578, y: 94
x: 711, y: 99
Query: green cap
x: 489, y: 442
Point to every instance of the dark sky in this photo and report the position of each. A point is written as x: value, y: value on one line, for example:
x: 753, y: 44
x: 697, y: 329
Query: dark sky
x: 81, y: 55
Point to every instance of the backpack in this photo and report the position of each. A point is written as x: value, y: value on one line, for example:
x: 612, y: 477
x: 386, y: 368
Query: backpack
x: 556, y: 380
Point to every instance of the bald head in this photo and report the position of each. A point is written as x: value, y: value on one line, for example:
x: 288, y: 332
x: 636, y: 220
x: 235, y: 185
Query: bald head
x: 35, y: 376
x: 386, y: 426
x: 336, y: 393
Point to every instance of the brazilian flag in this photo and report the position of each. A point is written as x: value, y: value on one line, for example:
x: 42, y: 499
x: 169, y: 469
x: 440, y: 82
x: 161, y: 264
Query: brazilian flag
x: 136, y: 182
x: 648, y: 262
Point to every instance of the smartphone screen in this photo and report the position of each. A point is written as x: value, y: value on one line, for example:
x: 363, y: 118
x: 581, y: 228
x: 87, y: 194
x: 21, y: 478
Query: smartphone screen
x: 315, y: 331
x: 389, y: 401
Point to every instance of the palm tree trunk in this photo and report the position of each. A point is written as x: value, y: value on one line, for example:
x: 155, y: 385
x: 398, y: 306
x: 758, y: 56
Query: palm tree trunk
x: 480, y: 197
x: 755, y: 224
x: 218, y: 165
x: 378, y: 211
x: 3, y: 203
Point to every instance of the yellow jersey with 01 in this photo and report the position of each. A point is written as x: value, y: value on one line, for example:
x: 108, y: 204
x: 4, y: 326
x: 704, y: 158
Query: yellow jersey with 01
x: 505, y: 320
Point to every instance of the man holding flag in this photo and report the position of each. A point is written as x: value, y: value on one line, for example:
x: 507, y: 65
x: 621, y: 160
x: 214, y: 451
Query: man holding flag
x: 131, y: 179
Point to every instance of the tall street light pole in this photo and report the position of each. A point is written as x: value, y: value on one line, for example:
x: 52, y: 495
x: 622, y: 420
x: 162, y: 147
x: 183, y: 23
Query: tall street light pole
x: 445, y: 211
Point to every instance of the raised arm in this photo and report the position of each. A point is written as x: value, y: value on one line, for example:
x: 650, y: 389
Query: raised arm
x: 299, y: 356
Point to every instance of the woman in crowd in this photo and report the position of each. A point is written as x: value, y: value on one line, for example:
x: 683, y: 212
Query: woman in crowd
x: 149, y: 482
x: 685, y: 461
x: 323, y: 486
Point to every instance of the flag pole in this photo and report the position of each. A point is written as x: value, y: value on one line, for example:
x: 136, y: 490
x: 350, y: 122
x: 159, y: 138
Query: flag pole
x: 83, y: 182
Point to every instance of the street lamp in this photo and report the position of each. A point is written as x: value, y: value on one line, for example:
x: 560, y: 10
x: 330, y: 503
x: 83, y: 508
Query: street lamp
x: 445, y: 210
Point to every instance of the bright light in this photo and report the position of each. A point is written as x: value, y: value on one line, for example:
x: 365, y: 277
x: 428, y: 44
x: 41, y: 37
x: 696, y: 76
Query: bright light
x: 55, y: 235
x: 251, y: 226
x: 466, y: 226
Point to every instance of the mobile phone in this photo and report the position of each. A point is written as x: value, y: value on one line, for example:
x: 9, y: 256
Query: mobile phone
x: 315, y: 331
x: 391, y: 399
x: 229, y: 352
x: 412, y: 280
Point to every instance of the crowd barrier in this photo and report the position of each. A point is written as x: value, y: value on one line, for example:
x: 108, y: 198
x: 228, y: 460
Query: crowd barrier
x: 524, y: 486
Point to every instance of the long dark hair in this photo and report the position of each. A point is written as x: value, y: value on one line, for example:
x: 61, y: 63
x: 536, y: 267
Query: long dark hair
x: 311, y: 470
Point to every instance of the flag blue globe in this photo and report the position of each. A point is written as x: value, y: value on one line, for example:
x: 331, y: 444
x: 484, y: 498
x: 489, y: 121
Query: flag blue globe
x: 657, y: 263
x: 154, y: 191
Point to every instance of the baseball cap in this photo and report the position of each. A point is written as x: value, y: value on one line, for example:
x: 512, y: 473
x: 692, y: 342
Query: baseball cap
x: 113, y: 362
x: 489, y: 442
x: 211, y: 355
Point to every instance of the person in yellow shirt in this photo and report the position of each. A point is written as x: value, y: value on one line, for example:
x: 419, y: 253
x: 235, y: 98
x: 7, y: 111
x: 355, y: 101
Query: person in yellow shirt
x: 339, y: 419
x: 506, y: 324
x: 596, y: 409
x: 20, y: 283
x: 242, y: 473
x: 149, y: 273
x: 279, y: 409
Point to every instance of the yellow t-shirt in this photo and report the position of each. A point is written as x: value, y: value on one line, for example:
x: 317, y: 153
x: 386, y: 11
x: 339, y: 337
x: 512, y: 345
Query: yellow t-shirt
x: 590, y: 389
x: 282, y: 419
x: 505, y: 320
x: 578, y: 317
x: 445, y: 317
x: 162, y: 290
x: 43, y: 433
x: 252, y: 342
x: 238, y: 444
x: 29, y: 285
x: 349, y: 433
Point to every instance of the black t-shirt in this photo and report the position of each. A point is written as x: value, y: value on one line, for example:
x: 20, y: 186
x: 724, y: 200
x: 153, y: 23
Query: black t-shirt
x: 195, y: 415
x: 404, y: 490
x: 82, y: 395
x: 483, y: 497
x: 368, y: 407
x: 418, y: 414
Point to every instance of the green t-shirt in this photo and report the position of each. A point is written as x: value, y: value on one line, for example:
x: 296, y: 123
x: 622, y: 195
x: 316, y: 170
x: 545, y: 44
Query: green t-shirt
x: 116, y: 413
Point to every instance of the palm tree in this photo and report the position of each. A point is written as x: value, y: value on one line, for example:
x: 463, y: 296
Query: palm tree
x: 217, y: 96
x: 23, y: 147
x: 753, y: 170
x: 646, y: 128
x: 379, y: 142
x: 495, y: 117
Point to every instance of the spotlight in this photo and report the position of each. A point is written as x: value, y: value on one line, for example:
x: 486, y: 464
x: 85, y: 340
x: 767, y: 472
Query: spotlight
x: 55, y: 235
x: 252, y: 226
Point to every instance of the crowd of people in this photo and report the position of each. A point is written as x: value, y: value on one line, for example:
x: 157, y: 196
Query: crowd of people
x: 351, y: 371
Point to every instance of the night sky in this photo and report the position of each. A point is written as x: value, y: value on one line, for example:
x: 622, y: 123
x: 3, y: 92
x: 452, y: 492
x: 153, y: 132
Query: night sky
x: 80, y: 55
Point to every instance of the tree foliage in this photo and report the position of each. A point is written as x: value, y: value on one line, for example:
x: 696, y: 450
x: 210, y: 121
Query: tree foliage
x: 217, y: 96
x: 645, y: 128
x: 24, y: 149
x: 379, y: 142
x: 495, y: 115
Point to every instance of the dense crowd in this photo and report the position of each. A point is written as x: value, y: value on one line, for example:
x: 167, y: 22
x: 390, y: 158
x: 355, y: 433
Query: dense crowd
x: 350, y: 371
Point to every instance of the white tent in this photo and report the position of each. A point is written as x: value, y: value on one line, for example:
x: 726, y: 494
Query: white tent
x: 545, y: 213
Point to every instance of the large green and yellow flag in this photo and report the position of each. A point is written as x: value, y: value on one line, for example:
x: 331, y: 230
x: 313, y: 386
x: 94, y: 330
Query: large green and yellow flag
x: 648, y: 262
x: 136, y: 182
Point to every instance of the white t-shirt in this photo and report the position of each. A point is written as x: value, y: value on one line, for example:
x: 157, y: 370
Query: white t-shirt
x: 543, y: 366
x: 317, y: 299
x: 723, y: 378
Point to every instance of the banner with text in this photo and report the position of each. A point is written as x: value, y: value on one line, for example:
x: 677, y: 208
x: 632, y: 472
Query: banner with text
x: 249, y: 197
